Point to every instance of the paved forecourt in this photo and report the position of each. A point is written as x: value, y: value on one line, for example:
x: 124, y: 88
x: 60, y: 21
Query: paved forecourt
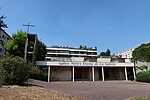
x: 98, y: 90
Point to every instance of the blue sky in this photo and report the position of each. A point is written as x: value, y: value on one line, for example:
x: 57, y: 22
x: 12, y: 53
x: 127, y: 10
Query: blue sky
x: 114, y: 24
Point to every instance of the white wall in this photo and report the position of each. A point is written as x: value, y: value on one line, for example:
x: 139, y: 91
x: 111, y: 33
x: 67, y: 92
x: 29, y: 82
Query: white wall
x: 77, y: 59
x: 103, y: 59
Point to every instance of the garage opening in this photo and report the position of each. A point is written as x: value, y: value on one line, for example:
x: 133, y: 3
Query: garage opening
x: 82, y: 74
x: 113, y: 73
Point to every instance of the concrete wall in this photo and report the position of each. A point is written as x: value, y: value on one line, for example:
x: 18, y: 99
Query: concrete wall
x: 61, y: 73
x: 103, y: 59
x: 77, y: 59
x: 140, y: 64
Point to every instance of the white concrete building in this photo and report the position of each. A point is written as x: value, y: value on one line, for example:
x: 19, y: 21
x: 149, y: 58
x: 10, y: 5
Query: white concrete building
x: 127, y: 53
x: 74, y: 64
x: 88, y: 71
x: 4, y: 37
x: 59, y: 53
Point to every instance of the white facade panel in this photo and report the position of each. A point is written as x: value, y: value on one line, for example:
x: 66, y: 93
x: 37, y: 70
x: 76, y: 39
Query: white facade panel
x: 96, y: 64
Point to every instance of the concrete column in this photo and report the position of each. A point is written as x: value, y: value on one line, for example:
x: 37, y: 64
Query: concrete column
x: 103, y: 77
x: 93, y: 74
x: 134, y: 72
x: 49, y: 73
x: 126, y: 73
x: 73, y: 73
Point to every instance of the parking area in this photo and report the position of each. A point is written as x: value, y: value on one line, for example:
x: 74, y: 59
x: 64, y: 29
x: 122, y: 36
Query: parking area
x: 98, y: 90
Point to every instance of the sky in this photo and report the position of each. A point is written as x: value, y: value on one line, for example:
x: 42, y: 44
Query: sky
x: 114, y: 24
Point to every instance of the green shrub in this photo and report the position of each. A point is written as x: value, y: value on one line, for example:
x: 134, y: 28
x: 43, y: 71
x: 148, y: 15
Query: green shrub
x: 3, y: 74
x: 14, y: 70
x: 143, y: 76
x: 39, y: 73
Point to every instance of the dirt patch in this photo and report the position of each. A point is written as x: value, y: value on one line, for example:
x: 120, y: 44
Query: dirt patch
x: 139, y: 98
x: 32, y: 93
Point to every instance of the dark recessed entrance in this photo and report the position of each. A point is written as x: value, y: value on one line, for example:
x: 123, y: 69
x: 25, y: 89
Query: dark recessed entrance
x: 81, y: 73
x: 100, y: 73
x: 114, y: 73
x: 130, y: 73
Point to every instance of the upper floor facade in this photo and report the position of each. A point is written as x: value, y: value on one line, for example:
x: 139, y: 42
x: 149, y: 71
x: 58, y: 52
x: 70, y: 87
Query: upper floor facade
x: 4, y: 37
x: 59, y: 53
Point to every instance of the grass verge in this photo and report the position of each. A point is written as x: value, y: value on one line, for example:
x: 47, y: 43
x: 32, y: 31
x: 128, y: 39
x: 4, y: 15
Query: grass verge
x: 33, y: 93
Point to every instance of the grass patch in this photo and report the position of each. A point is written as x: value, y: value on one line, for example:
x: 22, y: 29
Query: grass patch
x: 139, y: 98
x: 32, y: 93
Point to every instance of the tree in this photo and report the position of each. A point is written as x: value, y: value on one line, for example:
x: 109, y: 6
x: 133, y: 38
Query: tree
x: 142, y: 53
x: 16, y: 46
x: 41, y: 51
x: 107, y: 53
x: 103, y: 54
x: 2, y: 23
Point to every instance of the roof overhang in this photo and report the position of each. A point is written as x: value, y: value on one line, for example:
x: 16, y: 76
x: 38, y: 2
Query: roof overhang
x: 86, y: 64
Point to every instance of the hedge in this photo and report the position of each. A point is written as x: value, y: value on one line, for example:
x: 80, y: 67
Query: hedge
x: 143, y: 76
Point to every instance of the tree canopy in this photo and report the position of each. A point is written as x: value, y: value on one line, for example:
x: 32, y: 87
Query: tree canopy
x: 16, y: 46
x: 107, y: 53
x: 41, y: 51
x: 142, y: 53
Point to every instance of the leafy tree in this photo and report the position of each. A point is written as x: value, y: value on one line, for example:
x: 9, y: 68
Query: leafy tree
x: 107, y: 53
x: 16, y: 46
x: 41, y: 51
x: 103, y: 54
x: 142, y: 53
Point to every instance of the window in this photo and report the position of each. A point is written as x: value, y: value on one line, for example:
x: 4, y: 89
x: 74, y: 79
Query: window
x: 1, y: 49
x: 3, y: 36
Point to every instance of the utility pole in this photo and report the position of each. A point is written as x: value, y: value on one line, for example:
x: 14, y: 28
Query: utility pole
x: 26, y: 43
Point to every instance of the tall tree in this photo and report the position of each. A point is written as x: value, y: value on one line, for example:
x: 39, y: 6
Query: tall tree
x: 16, y: 46
x: 41, y: 51
x: 142, y: 53
x: 108, y: 52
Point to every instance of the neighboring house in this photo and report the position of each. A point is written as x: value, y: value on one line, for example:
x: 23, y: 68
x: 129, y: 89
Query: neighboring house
x: 4, y: 37
x: 113, y: 58
x: 128, y: 55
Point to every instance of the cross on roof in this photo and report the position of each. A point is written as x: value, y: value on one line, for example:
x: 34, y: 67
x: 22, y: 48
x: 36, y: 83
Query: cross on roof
x: 28, y: 26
